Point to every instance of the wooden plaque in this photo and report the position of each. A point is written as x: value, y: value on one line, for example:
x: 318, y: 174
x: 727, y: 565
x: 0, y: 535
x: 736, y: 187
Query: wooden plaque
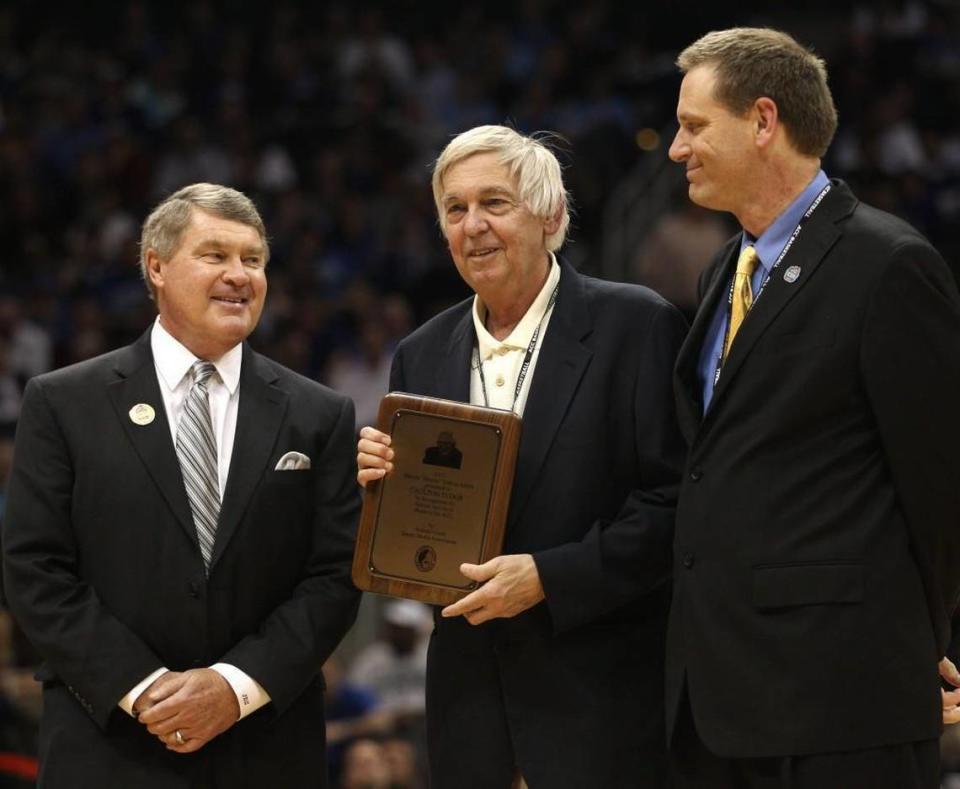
x: 444, y: 503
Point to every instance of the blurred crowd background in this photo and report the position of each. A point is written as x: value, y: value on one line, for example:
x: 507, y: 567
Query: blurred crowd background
x: 329, y: 116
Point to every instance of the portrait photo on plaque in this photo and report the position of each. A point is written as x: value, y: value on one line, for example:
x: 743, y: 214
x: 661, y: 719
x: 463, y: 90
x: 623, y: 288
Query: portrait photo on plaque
x: 444, y: 452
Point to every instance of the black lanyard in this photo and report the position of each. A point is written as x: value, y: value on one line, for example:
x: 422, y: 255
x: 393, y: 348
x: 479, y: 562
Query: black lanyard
x: 525, y: 367
x: 783, y: 253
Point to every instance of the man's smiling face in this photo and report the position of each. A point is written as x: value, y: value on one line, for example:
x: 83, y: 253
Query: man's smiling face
x: 716, y: 145
x: 210, y: 292
x: 498, y: 246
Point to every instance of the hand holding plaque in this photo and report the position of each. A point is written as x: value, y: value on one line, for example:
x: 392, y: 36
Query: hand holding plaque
x: 509, y: 586
x: 444, y: 502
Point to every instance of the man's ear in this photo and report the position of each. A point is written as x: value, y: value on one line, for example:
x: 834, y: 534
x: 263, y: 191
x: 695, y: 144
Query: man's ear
x: 552, y: 224
x: 154, y: 268
x: 767, y: 120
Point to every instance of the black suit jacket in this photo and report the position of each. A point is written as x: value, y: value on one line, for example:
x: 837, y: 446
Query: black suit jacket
x: 817, y: 548
x: 579, y: 677
x: 103, y: 570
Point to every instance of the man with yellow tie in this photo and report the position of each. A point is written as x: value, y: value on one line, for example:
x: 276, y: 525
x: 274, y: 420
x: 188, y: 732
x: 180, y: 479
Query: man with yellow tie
x: 817, y: 549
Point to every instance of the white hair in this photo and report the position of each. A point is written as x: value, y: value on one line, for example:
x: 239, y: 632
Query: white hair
x: 528, y: 160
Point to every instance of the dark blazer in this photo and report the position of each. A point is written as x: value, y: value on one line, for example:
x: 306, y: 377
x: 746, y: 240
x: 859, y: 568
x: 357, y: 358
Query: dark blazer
x: 103, y: 570
x: 817, y: 549
x: 570, y: 690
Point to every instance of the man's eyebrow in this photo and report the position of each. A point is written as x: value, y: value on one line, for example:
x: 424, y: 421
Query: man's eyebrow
x: 484, y: 192
x: 213, y: 242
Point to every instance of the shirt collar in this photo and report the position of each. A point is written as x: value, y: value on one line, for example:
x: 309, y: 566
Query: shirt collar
x: 772, y: 241
x: 522, y: 333
x: 174, y: 360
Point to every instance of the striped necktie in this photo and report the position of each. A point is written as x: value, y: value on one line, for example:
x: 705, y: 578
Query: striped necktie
x: 197, y: 453
x: 742, y: 294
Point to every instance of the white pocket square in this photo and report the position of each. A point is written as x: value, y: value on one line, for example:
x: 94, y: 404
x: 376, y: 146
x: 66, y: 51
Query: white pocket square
x: 293, y: 461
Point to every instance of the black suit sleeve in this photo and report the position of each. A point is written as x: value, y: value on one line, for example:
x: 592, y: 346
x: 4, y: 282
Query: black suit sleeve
x: 299, y: 635
x: 953, y: 648
x: 397, y: 381
x: 910, y: 358
x: 97, y: 657
x: 620, y: 559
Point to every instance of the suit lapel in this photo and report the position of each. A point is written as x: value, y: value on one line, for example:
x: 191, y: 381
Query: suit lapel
x: 260, y: 411
x: 560, y: 366
x: 453, y: 372
x: 808, y: 252
x: 689, y: 390
x: 136, y: 383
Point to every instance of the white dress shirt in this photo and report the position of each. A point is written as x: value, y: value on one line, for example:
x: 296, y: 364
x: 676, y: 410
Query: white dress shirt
x: 173, y: 362
x: 502, y: 360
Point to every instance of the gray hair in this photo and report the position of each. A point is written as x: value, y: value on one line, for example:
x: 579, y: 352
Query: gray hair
x: 751, y: 62
x: 528, y: 159
x: 163, y: 230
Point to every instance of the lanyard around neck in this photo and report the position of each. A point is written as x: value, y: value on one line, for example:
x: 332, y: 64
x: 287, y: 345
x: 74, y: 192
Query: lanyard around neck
x: 783, y: 253
x: 525, y: 367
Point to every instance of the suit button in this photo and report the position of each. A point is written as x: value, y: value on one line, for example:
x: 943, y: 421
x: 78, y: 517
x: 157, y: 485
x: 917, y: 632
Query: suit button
x: 194, y: 589
x: 696, y: 474
x: 688, y: 560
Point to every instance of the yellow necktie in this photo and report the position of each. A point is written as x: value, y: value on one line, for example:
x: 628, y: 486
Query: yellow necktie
x: 742, y: 294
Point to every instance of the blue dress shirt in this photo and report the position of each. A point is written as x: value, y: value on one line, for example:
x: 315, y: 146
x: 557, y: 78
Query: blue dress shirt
x: 769, y: 246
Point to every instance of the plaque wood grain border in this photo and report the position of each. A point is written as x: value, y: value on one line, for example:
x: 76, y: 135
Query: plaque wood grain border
x: 509, y: 426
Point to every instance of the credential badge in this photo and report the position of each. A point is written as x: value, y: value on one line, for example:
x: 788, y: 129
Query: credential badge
x: 791, y: 274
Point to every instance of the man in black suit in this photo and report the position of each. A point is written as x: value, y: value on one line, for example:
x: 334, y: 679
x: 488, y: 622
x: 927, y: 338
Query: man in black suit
x: 553, y: 667
x: 817, y: 550
x: 179, y: 530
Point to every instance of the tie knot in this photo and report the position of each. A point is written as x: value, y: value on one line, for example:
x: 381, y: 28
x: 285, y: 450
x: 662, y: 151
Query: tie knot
x: 747, y: 262
x: 201, y: 371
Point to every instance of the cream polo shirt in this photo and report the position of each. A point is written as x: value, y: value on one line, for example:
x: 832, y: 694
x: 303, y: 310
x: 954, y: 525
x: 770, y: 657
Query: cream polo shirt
x: 502, y: 360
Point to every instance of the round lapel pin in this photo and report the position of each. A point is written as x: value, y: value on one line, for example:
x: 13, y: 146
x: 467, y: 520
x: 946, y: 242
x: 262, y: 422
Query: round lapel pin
x: 142, y: 414
x: 791, y: 274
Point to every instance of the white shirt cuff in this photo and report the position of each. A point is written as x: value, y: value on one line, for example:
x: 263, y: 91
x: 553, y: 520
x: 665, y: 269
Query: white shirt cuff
x: 250, y: 694
x: 127, y: 702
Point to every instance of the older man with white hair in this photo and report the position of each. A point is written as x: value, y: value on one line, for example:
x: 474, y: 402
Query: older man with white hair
x: 552, y: 669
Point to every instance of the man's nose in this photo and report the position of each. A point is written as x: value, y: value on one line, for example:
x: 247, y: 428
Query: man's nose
x: 679, y: 148
x: 235, y: 272
x: 475, y: 222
